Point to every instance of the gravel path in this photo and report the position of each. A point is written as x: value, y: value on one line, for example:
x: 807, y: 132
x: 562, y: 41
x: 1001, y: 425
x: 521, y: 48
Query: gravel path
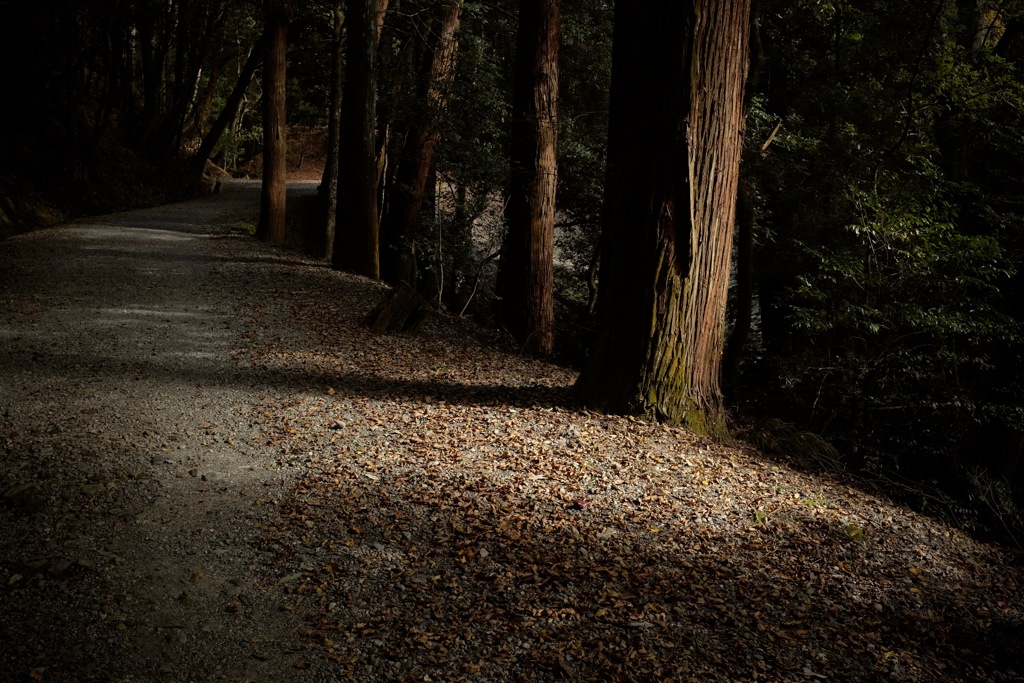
x: 134, y: 483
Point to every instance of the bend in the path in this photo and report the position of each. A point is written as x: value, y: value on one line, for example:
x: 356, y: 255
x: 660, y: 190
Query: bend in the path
x: 136, y: 481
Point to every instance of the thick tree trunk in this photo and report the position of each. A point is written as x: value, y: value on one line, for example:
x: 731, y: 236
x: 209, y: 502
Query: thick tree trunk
x: 356, y: 235
x: 400, y: 222
x: 274, y: 188
x: 526, y: 270
x: 675, y: 139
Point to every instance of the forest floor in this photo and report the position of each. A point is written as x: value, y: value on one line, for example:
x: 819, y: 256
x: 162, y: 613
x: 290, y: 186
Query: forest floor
x: 211, y: 471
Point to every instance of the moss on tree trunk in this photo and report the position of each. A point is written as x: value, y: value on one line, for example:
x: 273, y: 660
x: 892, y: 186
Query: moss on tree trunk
x: 675, y: 138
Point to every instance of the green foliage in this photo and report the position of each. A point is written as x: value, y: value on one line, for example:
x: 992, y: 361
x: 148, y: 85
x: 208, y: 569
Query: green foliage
x: 585, y: 73
x: 239, y: 145
x: 457, y: 240
x: 310, y: 60
x: 900, y: 316
x: 889, y: 242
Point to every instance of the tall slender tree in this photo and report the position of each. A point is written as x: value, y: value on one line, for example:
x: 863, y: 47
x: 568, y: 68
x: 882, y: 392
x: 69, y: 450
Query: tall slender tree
x: 675, y: 138
x: 526, y: 270
x: 227, y: 115
x: 400, y: 221
x: 274, y: 188
x: 357, y: 226
x: 329, y: 184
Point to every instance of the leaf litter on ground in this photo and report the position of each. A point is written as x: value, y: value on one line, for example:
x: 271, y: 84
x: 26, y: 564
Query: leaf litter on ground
x: 461, y: 519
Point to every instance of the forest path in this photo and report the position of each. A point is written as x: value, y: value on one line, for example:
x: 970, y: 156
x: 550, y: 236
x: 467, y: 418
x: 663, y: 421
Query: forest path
x: 134, y: 482
x: 210, y: 470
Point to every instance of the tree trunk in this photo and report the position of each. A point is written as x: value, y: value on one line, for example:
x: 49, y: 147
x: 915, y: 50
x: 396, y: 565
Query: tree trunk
x: 356, y: 237
x: 329, y: 185
x: 400, y: 222
x: 201, y: 112
x: 526, y: 270
x: 382, y: 12
x: 230, y: 110
x: 187, y: 63
x: 675, y: 139
x: 153, y: 50
x: 274, y: 187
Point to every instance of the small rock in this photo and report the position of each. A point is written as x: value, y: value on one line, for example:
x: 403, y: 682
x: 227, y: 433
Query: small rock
x: 59, y: 567
x: 291, y: 578
x: 36, y: 564
x: 194, y: 472
x: 15, y: 578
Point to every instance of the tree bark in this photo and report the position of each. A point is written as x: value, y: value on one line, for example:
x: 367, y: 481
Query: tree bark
x: 744, y: 300
x: 382, y: 12
x: 526, y: 270
x: 401, y: 220
x: 274, y: 187
x: 201, y: 112
x: 356, y: 235
x: 675, y: 139
x: 328, y: 189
